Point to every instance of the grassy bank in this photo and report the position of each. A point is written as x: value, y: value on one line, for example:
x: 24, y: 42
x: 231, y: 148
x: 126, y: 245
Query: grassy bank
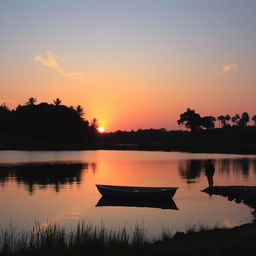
x: 86, y: 240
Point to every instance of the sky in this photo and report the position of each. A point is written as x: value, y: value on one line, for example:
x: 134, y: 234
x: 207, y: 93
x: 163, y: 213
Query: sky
x: 130, y: 64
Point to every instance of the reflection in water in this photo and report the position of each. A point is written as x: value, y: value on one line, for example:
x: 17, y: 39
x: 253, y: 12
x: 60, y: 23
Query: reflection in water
x: 242, y: 165
x: 190, y: 170
x: 162, y: 204
x: 44, y: 174
x: 77, y: 194
x: 225, y: 166
x: 209, y: 172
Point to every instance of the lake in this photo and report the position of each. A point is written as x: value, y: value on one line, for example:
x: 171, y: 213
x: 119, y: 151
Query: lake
x: 59, y: 186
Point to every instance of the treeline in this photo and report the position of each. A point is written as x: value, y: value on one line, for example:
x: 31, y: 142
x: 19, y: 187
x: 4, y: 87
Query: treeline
x: 54, y: 126
x: 234, y: 135
x: 140, y: 136
x: 47, y: 121
x: 195, y: 122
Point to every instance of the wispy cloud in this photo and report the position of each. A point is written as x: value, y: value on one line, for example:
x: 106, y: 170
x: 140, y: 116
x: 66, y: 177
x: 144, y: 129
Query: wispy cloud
x: 229, y: 67
x: 51, y: 61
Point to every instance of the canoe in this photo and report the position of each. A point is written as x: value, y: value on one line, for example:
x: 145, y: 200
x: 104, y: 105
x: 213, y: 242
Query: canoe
x: 136, y: 192
x: 167, y: 204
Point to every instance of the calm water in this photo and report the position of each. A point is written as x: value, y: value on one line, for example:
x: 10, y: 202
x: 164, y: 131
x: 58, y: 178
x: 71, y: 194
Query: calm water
x: 59, y: 186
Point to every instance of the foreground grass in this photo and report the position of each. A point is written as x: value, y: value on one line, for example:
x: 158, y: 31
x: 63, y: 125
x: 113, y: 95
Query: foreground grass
x: 87, y: 240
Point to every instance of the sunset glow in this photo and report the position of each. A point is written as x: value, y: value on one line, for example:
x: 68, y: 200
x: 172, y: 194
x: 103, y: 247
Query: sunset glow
x: 133, y: 119
x: 101, y: 129
x: 136, y: 64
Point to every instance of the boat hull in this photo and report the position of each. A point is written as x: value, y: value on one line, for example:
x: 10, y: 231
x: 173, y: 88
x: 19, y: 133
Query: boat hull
x: 136, y: 192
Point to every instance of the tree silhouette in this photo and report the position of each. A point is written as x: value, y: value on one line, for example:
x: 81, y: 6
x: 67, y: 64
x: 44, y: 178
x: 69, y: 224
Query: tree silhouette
x: 235, y: 119
x: 4, y: 109
x: 244, y: 119
x: 55, y: 122
x: 95, y: 123
x: 80, y: 110
x: 195, y: 122
x: 57, y: 102
x: 222, y: 120
x: 5, y: 119
x: 31, y: 101
x: 59, y: 122
x: 208, y: 122
x: 227, y: 118
x: 190, y: 119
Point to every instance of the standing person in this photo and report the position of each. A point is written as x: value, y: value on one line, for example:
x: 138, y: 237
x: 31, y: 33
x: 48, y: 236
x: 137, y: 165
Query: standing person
x: 209, y: 172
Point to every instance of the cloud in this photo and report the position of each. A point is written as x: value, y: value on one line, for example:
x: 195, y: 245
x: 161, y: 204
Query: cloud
x: 51, y: 61
x: 229, y: 67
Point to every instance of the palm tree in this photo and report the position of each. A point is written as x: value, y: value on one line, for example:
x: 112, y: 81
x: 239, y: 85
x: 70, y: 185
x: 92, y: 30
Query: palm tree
x: 222, y: 120
x: 31, y: 101
x: 235, y: 119
x: 208, y: 122
x: 227, y: 118
x: 244, y: 119
x: 57, y: 101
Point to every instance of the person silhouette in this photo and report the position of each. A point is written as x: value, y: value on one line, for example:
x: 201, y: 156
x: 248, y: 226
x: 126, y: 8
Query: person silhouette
x: 209, y: 172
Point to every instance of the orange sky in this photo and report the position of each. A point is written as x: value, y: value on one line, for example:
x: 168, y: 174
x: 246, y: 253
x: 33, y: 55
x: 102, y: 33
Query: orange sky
x: 131, y: 65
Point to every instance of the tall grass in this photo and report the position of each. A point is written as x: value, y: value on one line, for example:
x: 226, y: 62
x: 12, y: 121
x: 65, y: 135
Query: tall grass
x: 52, y: 239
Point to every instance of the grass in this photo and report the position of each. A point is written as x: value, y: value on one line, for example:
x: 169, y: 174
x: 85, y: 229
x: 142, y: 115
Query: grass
x: 87, y: 240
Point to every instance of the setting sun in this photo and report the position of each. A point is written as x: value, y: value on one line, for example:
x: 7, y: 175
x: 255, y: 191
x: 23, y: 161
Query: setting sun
x: 101, y: 129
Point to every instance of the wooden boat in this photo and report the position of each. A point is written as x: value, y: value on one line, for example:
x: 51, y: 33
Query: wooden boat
x: 166, y: 203
x: 136, y: 192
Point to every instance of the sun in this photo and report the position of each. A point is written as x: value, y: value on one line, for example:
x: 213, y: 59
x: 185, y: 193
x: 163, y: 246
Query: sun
x: 101, y: 129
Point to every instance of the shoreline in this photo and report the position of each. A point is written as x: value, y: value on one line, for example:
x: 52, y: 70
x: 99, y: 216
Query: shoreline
x: 131, y: 147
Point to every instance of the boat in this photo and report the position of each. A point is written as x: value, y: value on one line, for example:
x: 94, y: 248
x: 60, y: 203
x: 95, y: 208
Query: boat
x: 136, y: 192
x: 167, y: 204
